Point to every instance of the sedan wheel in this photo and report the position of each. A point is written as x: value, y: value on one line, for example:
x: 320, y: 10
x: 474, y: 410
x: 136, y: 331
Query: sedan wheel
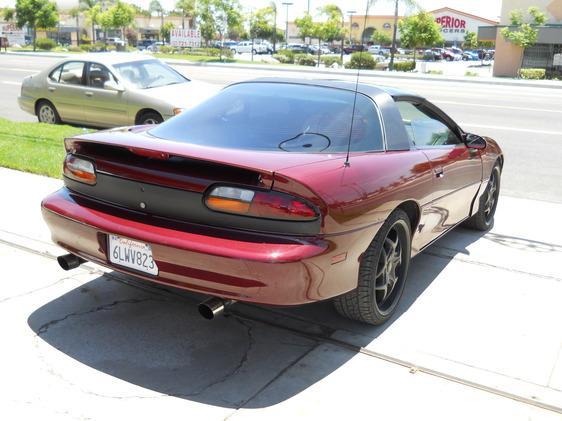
x: 47, y: 113
x: 382, y: 274
x: 151, y: 118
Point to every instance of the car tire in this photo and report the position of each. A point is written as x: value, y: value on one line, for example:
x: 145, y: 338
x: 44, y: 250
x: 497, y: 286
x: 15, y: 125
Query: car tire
x: 47, y: 113
x: 483, y: 219
x: 254, y: 51
x: 151, y: 117
x: 388, y: 256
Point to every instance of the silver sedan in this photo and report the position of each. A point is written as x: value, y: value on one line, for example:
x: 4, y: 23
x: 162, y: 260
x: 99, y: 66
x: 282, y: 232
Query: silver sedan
x: 109, y: 90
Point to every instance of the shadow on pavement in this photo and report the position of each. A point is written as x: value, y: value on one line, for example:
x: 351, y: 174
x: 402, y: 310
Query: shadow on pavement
x: 156, y: 339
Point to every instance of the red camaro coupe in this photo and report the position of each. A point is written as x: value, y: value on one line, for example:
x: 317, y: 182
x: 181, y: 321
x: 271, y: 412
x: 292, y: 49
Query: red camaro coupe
x: 277, y: 191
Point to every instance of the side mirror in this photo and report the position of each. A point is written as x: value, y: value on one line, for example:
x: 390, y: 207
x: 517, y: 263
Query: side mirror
x: 111, y: 85
x: 474, y: 141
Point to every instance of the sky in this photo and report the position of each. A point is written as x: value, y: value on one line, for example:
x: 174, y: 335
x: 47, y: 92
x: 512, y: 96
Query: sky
x: 484, y: 8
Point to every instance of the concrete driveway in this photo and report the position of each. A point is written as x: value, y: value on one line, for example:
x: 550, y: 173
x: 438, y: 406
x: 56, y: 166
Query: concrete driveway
x: 477, y: 335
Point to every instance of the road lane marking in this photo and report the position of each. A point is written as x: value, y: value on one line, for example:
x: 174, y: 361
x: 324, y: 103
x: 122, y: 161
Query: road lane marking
x: 511, y: 129
x: 507, y: 107
x: 11, y: 82
x: 15, y: 69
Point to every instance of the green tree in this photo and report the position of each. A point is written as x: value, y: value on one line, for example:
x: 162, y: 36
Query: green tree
x: 521, y: 33
x: 8, y: 14
x: 187, y: 9
x: 419, y: 30
x: 470, y: 40
x: 332, y: 29
x: 36, y: 14
x: 92, y: 10
x: 219, y: 16
x: 261, y: 23
x: 305, y: 26
x: 165, y: 31
x: 408, y: 3
x: 381, y: 38
x: 156, y: 6
x: 118, y: 16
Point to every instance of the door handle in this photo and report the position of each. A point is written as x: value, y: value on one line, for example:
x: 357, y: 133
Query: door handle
x: 52, y: 89
x: 438, y: 171
x: 89, y: 93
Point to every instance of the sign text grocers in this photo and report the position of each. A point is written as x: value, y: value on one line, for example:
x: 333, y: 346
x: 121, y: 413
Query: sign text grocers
x: 185, y: 38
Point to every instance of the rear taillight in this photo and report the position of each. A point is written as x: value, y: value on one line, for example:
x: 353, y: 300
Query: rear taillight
x: 79, y: 169
x: 262, y: 204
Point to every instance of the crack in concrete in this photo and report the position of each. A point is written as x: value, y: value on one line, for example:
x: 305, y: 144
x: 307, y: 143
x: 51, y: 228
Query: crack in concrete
x: 23, y: 294
x: 45, y: 327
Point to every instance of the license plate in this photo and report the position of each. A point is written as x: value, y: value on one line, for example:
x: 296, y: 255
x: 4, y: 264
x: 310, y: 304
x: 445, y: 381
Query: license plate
x: 132, y: 254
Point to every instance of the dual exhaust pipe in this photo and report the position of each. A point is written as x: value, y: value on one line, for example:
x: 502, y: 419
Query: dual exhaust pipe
x: 208, y: 309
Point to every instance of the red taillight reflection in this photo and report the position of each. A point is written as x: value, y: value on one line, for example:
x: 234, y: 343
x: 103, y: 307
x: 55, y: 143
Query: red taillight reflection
x: 277, y: 206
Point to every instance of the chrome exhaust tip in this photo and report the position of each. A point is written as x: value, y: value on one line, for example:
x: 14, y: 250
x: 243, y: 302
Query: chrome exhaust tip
x: 69, y: 261
x: 213, y: 307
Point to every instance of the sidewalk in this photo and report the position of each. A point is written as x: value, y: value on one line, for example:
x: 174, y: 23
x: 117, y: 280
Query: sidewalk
x: 477, y: 335
x: 344, y: 72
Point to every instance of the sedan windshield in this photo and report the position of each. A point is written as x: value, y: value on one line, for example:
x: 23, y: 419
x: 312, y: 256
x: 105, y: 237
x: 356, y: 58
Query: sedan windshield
x: 149, y: 74
x: 279, y: 117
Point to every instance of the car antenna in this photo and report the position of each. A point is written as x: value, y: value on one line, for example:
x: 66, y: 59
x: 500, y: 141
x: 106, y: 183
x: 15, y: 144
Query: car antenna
x: 346, y: 163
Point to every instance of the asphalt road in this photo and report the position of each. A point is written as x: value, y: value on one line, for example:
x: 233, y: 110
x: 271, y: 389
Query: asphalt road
x: 527, y: 121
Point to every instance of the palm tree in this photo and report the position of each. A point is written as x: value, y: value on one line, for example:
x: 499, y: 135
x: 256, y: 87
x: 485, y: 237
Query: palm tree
x: 9, y: 13
x: 407, y: 3
x: 87, y: 6
x: 156, y: 6
x: 75, y: 13
x: 186, y: 8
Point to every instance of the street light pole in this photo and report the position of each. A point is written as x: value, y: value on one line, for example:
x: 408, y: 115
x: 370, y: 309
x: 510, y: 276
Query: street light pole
x: 286, y: 4
x: 350, y: 13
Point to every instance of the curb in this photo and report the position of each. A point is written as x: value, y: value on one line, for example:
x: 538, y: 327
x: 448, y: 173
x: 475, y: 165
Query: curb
x: 342, y: 72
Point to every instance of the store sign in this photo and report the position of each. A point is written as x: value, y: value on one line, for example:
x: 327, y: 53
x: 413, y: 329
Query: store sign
x: 451, y: 24
x: 185, y: 38
x: 12, y: 33
x: 557, y: 60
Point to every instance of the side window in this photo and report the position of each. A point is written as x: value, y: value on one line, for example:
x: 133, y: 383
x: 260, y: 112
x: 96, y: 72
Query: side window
x: 425, y: 131
x: 55, y: 74
x: 72, y: 73
x: 98, y: 75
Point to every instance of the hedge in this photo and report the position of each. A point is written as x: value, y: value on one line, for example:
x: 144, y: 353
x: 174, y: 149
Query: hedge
x: 330, y: 60
x: 404, y: 66
x: 305, y: 60
x: 361, y: 60
x: 45, y: 43
x: 532, y: 73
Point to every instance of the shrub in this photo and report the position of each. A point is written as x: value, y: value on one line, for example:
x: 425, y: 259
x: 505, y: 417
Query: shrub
x: 45, y: 43
x: 110, y: 48
x: 288, y: 54
x: 87, y: 47
x: 361, y: 61
x: 469, y: 73
x: 282, y: 58
x: 330, y: 60
x: 404, y: 66
x: 305, y: 60
x: 532, y: 73
x: 434, y: 72
x: 166, y: 49
x: 75, y: 49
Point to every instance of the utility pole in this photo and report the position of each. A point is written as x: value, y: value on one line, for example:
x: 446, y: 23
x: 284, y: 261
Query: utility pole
x: 274, y: 28
x: 350, y: 13
x: 286, y: 4
x: 308, y: 8
x: 393, y: 48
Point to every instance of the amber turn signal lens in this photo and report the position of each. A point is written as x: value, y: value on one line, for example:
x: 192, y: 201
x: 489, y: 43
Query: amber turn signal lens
x: 260, y: 204
x: 79, y: 169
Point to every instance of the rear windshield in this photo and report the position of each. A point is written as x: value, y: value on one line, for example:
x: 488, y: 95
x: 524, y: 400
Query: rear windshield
x: 278, y: 117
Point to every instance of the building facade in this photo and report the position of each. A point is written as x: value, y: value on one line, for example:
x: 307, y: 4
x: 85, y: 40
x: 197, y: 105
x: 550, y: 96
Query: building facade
x: 545, y: 54
x: 454, y: 25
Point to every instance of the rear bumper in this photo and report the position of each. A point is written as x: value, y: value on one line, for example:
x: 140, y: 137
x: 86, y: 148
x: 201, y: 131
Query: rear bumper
x: 26, y: 104
x: 283, y: 272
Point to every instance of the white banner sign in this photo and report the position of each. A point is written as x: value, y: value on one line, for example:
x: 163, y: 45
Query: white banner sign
x: 185, y: 38
x: 14, y: 35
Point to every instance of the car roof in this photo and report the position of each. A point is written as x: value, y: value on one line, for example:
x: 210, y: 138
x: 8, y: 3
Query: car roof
x: 365, y: 88
x: 109, y: 58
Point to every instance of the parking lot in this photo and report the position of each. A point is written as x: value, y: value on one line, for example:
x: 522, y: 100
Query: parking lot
x: 476, y: 336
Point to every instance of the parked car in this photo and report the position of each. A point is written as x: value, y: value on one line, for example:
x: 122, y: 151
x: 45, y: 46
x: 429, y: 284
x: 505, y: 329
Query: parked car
x: 450, y: 55
x: 115, y: 41
x: 257, y: 46
x: 296, y: 48
x: 433, y: 55
x: 260, y: 194
x: 323, y: 49
x: 470, y: 55
x: 109, y: 89
x: 144, y: 44
x: 350, y: 49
